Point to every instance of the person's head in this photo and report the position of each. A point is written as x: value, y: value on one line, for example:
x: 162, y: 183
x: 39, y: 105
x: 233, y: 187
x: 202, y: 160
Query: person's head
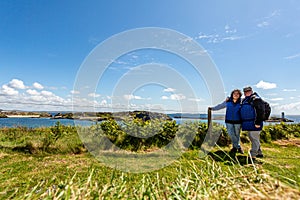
x: 236, y: 94
x: 247, y: 91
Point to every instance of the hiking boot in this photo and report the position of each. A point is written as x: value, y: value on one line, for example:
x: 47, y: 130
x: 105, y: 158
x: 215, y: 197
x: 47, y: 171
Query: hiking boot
x: 259, y: 156
x: 252, y: 160
x: 233, y: 150
x: 240, y: 150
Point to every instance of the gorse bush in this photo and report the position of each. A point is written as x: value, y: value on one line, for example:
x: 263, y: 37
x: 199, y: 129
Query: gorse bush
x: 52, y: 136
x: 280, y: 131
x: 139, y: 135
x: 58, y: 138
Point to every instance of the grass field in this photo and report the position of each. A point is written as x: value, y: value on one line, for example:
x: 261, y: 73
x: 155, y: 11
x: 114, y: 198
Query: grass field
x: 70, y: 176
x: 77, y: 174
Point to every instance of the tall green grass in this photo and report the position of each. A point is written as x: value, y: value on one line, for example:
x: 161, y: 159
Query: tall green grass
x: 52, y: 163
x: 188, y: 178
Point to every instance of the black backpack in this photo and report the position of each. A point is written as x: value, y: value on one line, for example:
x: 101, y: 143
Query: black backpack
x: 267, y: 110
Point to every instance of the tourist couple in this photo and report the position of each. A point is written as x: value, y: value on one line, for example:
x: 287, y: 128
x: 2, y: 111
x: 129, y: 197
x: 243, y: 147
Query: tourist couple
x: 246, y: 113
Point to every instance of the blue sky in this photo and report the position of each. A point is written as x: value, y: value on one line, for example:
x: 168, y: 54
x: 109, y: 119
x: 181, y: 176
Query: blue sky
x: 44, y: 43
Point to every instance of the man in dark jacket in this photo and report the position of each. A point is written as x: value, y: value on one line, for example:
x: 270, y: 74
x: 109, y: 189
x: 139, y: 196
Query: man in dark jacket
x: 252, y: 114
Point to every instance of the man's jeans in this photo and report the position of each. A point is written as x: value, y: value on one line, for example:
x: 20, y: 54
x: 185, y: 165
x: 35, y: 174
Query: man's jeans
x: 255, y: 143
x: 234, y: 134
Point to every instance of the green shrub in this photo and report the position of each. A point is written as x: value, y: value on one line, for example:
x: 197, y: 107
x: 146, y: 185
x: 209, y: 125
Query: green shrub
x: 55, y: 133
x: 280, y: 131
x: 134, y: 135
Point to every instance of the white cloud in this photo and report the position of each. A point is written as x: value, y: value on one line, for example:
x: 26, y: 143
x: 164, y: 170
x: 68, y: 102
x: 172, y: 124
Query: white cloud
x: 174, y: 97
x: 232, y: 38
x: 205, y: 36
x: 32, y: 99
x: 6, y: 90
x: 17, y: 84
x: 120, y: 62
x: 177, y: 97
x: 32, y: 92
x: 265, y: 85
x: 216, y: 38
x: 292, y: 56
x: 169, y: 90
x: 164, y: 97
x: 263, y: 24
x: 229, y: 30
x: 38, y: 86
x: 43, y: 97
x: 196, y: 100
x: 289, y: 107
x: 130, y: 97
x: 266, y: 21
x: 103, y: 103
x: 74, y: 92
x: 229, y: 34
x: 46, y: 93
x: 198, y: 53
x: 277, y: 99
x: 272, y: 94
x: 289, y: 90
x: 94, y: 95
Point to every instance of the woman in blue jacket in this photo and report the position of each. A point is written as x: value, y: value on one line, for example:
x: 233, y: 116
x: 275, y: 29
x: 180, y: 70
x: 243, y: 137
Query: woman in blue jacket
x: 232, y: 118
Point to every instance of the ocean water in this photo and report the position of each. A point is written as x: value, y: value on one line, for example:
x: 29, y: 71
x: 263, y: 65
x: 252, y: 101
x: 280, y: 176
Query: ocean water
x: 40, y: 122
x: 46, y: 122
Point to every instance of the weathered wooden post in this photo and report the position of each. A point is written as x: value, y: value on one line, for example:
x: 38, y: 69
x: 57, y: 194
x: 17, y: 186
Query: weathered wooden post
x: 209, y: 118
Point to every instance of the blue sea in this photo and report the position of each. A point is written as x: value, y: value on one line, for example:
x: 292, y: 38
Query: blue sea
x: 40, y: 122
x: 46, y: 122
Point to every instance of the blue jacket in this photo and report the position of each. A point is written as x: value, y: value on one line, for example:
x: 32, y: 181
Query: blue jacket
x: 232, y: 115
x: 252, y: 113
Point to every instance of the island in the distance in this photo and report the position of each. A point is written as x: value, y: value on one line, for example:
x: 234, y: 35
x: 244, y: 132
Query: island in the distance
x: 93, y: 116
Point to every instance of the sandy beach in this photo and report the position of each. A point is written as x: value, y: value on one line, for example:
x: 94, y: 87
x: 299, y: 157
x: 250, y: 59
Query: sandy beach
x: 23, y: 116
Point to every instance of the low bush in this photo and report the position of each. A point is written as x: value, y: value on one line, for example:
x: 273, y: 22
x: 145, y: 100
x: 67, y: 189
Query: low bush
x: 280, y: 131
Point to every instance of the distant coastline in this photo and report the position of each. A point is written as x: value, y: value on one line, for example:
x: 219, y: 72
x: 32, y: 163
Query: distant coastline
x: 91, y: 116
x: 100, y: 116
x: 23, y: 116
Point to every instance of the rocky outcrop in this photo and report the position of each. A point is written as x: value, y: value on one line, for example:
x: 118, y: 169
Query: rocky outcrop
x: 279, y: 119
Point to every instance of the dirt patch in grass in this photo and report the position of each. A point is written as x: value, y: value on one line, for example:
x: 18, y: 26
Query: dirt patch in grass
x: 271, y: 149
x: 3, y: 155
x: 289, y: 142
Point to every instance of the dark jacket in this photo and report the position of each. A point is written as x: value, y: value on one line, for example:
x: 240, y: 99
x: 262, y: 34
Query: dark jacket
x: 252, y: 113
